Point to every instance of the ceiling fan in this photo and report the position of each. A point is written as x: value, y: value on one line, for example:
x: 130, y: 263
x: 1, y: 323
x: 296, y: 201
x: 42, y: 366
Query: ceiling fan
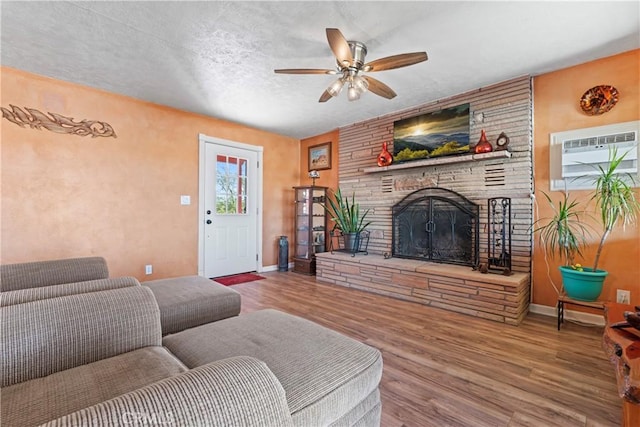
x: 351, y: 66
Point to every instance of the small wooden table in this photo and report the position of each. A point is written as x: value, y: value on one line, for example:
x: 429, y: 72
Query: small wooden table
x: 623, y: 349
x: 563, y: 299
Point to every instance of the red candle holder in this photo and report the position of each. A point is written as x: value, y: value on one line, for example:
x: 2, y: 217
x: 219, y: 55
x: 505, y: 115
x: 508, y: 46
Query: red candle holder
x: 385, y: 158
x: 483, y: 145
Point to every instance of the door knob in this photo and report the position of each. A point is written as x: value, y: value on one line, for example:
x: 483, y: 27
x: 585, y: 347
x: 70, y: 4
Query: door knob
x: 208, y: 221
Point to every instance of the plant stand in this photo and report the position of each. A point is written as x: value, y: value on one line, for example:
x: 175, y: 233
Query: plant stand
x: 563, y: 299
x: 337, y: 238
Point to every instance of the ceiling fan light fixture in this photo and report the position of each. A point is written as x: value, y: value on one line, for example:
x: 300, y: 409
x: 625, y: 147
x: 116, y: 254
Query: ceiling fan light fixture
x: 335, y: 88
x: 360, y: 84
x: 353, y: 93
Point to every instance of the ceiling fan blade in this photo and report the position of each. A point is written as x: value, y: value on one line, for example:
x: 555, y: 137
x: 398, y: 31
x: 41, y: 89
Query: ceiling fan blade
x: 304, y: 71
x: 379, y: 88
x: 395, y: 61
x: 339, y: 46
x: 325, y: 96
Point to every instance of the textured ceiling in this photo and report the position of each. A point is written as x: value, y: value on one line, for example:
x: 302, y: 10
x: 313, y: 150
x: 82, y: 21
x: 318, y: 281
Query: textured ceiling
x: 217, y: 58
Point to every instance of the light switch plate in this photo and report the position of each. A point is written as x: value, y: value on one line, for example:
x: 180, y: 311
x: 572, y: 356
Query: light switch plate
x: 185, y: 200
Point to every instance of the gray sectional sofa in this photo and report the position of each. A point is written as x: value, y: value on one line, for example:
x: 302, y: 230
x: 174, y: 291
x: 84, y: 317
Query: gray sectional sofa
x: 99, y: 356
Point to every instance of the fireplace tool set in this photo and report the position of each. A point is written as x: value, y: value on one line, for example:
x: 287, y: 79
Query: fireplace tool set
x: 498, y: 236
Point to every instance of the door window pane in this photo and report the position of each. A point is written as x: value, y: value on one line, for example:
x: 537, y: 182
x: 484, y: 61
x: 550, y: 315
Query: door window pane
x: 231, y: 185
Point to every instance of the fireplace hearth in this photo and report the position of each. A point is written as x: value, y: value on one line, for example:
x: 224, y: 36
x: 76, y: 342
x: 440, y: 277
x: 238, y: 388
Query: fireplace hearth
x: 436, y: 224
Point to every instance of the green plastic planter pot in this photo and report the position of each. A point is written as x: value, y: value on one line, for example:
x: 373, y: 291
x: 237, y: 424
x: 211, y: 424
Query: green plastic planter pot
x: 582, y: 285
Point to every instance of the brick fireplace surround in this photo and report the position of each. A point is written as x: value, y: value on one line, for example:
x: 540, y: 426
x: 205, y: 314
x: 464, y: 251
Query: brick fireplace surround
x: 504, y: 107
x: 451, y: 287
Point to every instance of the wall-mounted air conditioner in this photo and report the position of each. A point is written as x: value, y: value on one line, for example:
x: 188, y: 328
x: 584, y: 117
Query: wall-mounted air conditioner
x: 576, y: 155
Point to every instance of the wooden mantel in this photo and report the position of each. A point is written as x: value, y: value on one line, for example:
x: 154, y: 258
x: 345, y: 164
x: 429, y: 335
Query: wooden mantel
x: 503, y: 154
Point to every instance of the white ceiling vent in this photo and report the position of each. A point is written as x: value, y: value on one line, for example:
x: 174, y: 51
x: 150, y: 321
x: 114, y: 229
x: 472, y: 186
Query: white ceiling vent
x: 576, y: 155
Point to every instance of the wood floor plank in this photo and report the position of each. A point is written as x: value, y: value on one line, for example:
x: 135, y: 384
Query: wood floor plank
x: 446, y: 369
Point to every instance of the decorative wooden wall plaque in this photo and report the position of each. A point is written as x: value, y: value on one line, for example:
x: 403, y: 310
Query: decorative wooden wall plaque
x: 56, y: 122
x: 599, y: 99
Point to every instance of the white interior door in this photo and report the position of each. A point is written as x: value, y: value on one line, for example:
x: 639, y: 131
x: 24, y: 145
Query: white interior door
x: 230, y: 207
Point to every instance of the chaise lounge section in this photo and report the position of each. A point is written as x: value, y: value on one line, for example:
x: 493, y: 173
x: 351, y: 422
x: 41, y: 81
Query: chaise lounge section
x: 329, y: 379
x: 190, y: 301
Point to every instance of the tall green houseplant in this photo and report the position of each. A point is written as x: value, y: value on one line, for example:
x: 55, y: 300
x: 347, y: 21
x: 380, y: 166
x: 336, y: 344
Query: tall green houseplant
x: 348, y: 218
x: 564, y: 234
x: 615, y: 200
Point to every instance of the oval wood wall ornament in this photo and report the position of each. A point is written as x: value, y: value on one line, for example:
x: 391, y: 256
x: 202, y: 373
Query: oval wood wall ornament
x: 599, y: 99
x: 36, y: 119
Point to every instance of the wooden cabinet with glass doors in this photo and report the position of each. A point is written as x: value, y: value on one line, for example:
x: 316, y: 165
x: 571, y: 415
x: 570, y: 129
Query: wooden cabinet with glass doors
x: 311, y: 227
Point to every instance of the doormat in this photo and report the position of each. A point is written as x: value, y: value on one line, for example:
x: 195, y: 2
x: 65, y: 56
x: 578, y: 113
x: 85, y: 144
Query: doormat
x: 237, y: 278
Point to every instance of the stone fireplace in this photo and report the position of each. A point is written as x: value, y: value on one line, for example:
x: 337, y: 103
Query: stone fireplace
x: 430, y: 222
x: 436, y: 224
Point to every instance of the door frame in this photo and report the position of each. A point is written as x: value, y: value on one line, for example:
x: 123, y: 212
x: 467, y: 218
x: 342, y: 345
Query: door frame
x: 205, y: 139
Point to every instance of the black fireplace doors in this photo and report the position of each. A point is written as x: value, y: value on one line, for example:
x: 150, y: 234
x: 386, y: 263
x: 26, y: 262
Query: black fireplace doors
x: 436, y: 224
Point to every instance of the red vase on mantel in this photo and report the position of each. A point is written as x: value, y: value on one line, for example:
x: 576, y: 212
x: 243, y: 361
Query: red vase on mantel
x: 483, y: 146
x: 385, y: 158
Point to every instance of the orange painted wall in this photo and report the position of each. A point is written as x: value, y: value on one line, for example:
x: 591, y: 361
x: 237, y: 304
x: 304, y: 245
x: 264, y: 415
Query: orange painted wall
x: 556, y: 109
x: 65, y: 195
x: 328, y: 177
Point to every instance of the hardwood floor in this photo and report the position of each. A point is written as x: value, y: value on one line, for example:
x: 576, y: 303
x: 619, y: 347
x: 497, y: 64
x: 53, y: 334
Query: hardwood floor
x: 447, y: 369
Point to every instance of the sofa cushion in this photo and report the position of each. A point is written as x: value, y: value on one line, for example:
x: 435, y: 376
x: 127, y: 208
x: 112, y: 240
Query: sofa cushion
x: 233, y: 392
x: 42, y: 337
x: 325, y: 374
x: 53, y: 272
x: 367, y: 413
x: 43, y: 399
x: 190, y: 301
x: 20, y: 296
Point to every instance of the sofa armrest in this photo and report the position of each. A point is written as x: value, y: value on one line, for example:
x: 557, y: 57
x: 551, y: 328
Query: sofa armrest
x: 239, y: 391
x: 42, y: 337
x: 54, y: 272
x: 20, y: 296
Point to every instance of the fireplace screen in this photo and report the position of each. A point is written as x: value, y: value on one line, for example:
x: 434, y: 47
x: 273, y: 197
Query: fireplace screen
x: 436, y: 224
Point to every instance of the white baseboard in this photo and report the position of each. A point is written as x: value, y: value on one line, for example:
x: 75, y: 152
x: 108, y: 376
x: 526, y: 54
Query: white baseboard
x: 578, y: 316
x: 266, y: 268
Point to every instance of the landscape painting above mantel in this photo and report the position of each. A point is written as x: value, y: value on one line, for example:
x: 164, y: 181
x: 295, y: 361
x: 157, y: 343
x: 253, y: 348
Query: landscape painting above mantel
x: 440, y: 133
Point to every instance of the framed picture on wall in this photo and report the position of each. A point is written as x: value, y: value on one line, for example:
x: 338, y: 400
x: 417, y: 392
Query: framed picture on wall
x: 438, y: 133
x: 320, y: 156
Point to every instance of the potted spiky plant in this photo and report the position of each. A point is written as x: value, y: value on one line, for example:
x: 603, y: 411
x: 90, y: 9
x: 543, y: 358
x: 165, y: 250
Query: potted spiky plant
x: 348, y: 219
x: 615, y: 199
x: 565, y: 233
